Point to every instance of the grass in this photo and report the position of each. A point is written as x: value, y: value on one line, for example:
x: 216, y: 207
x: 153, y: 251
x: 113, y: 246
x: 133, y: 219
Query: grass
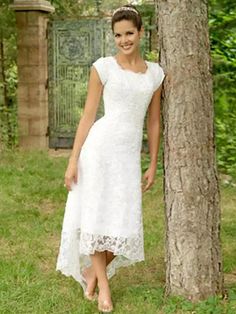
x: 31, y: 211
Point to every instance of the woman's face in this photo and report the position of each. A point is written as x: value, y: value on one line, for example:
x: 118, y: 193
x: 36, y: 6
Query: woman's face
x: 127, y: 37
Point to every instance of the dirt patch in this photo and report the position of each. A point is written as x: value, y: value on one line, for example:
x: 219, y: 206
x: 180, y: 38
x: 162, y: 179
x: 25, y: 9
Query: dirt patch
x: 59, y: 152
x: 230, y: 278
x: 47, y: 207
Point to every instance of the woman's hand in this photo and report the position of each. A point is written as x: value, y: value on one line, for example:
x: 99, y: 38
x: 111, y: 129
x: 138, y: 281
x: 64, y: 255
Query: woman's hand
x: 149, y: 177
x: 71, y: 174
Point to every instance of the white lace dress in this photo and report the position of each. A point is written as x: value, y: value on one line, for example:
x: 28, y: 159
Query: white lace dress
x: 104, y: 209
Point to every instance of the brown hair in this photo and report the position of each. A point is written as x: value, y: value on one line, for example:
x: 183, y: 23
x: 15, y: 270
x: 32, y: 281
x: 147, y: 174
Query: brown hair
x: 127, y: 15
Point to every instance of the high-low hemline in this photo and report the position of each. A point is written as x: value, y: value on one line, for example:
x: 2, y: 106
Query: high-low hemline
x: 72, y: 261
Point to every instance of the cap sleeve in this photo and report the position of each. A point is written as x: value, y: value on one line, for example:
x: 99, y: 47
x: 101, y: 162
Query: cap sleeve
x: 101, y: 67
x: 158, y: 76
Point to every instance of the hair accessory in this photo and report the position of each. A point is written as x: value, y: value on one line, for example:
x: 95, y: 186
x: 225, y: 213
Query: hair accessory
x: 125, y: 9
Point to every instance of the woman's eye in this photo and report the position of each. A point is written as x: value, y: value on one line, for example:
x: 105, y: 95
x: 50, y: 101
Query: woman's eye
x: 130, y: 33
x: 117, y: 35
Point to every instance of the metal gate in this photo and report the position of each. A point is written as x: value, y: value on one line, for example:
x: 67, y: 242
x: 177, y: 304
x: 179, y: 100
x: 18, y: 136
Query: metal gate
x: 73, y: 47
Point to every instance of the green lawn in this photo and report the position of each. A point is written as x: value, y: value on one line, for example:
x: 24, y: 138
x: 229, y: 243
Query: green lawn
x: 32, y: 199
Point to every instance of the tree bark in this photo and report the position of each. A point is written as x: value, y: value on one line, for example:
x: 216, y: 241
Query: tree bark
x: 192, y: 199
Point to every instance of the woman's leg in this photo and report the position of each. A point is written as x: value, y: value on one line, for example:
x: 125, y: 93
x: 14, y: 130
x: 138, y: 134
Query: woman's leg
x: 90, y: 275
x: 109, y: 257
x: 99, y: 262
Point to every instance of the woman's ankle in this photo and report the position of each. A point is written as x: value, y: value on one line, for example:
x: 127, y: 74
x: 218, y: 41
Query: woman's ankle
x: 89, y: 271
x: 103, y: 285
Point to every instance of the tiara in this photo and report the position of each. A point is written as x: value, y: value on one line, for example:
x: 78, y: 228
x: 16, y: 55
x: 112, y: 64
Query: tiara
x: 125, y: 9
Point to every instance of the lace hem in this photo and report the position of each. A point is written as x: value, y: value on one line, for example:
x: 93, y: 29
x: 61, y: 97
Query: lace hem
x: 76, y: 247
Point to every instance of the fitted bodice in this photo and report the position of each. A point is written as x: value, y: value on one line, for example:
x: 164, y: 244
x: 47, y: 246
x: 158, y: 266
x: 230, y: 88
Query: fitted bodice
x: 126, y: 96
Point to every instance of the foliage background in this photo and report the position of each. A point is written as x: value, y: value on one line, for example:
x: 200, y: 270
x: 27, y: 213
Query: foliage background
x: 222, y: 22
x: 8, y: 77
x: 222, y: 26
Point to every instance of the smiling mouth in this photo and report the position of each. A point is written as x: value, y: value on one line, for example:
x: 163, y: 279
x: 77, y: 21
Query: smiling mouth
x: 126, y: 46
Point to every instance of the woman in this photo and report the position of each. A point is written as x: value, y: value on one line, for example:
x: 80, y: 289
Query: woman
x: 102, y: 228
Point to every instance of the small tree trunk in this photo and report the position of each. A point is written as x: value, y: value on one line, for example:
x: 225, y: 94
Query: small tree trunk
x: 193, y: 254
x: 3, y: 72
x: 6, y: 102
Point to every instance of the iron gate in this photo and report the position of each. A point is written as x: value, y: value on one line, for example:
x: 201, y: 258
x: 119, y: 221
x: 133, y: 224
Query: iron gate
x: 72, y: 48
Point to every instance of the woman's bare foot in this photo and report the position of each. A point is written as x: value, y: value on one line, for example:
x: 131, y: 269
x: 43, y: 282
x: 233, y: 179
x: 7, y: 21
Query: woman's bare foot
x: 91, y: 280
x: 104, y: 299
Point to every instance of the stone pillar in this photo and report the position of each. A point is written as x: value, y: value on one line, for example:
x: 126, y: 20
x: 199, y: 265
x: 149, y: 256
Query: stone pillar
x: 32, y: 92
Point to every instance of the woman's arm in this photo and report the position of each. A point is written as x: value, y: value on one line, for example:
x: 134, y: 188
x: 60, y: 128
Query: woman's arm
x: 153, y: 132
x: 89, y: 113
x: 153, y: 127
x: 88, y: 117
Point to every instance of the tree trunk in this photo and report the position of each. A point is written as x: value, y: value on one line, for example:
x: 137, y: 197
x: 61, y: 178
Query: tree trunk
x: 2, y: 71
x: 6, y: 110
x: 193, y: 253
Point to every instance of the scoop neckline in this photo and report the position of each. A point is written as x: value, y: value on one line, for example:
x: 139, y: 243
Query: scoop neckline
x: 128, y: 70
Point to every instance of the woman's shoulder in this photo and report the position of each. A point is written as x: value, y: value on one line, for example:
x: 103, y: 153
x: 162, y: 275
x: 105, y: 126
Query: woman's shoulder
x: 157, y: 73
x: 103, y: 68
x: 154, y: 65
x: 156, y: 69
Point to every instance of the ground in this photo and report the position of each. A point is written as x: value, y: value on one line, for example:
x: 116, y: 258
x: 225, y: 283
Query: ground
x: 31, y: 211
